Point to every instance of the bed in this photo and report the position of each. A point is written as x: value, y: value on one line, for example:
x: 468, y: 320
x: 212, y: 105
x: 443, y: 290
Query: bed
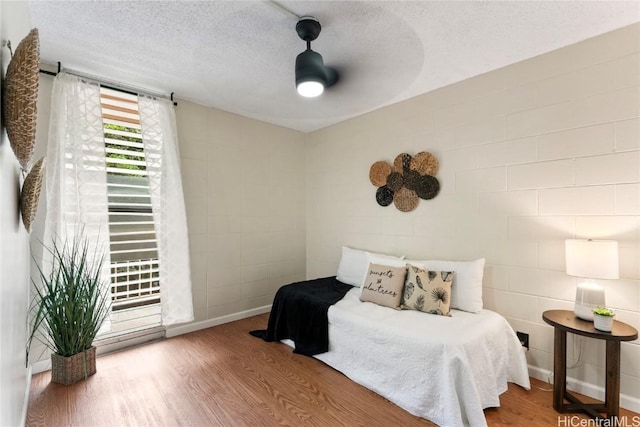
x: 446, y: 369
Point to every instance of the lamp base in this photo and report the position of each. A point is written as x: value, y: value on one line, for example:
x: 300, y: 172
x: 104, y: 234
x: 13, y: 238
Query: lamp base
x: 589, y: 295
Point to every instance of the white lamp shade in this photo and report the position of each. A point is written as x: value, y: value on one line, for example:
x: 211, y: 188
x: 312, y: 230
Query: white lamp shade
x: 596, y: 259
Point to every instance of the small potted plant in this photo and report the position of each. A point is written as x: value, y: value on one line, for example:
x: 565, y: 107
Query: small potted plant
x: 603, y: 318
x: 69, y: 306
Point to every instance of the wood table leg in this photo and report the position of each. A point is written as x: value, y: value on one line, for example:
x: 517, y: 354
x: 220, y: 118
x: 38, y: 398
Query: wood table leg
x: 564, y: 401
x: 559, y: 368
x: 612, y: 382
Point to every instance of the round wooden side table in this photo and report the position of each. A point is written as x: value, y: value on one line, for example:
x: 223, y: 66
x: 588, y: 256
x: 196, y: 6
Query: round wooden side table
x: 564, y: 321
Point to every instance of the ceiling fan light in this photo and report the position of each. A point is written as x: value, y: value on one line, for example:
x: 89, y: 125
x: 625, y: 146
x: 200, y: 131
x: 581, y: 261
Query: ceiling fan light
x: 311, y: 74
x: 312, y: 77
x: 310, y: 88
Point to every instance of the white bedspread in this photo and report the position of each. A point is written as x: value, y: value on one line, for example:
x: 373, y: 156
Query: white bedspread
x: 445, y: 369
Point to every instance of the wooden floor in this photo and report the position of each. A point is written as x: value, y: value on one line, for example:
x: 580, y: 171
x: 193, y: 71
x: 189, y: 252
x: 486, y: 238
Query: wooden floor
x: 222, y: 376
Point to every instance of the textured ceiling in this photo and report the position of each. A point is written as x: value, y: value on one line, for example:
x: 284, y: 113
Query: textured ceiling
x: 239, y: 56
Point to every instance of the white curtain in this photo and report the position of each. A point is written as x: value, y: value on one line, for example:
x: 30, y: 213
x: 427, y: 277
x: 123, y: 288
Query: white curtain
x: 159, y: 135
x: 76, y: 177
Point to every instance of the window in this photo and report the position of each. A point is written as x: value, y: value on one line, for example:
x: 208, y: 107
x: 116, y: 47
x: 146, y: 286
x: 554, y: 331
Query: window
x: 135, y: 286
x: 121, y: 174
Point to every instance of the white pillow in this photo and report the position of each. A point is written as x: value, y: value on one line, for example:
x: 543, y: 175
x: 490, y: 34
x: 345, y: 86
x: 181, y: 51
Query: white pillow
x: 466, y: 291
x: 353, y: 265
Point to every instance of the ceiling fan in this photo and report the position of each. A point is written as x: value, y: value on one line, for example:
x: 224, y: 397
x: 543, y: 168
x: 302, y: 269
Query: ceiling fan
x: 312, y: 76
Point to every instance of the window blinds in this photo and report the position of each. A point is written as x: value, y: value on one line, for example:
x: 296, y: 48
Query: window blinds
x: 135, y: 283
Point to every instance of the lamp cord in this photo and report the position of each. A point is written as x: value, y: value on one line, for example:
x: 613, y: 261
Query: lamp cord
x: 579, y: 362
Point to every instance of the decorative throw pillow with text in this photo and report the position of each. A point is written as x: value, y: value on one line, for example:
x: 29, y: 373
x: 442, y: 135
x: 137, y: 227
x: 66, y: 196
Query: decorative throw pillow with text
x: 383, y: 285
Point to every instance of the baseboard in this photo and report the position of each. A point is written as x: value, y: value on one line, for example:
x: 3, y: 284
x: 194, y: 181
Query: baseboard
x: 108, y: 345
x: 45, y: 365
x: 41, y: 366
x: 630, y: 403
x: 173, y: 331
x: 25, y: 403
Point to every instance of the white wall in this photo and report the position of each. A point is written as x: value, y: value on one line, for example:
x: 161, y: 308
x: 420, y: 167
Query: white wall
x: 38, y: 351
x: 530, y: 155
x: 14, y: 249
x: 244, y: 184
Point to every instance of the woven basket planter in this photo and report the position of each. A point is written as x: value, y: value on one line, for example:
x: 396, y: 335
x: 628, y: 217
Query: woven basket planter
x: 70, y: 370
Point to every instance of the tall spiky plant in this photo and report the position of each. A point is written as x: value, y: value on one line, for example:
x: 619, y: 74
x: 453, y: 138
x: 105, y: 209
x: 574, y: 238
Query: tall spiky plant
x: 72, y: 300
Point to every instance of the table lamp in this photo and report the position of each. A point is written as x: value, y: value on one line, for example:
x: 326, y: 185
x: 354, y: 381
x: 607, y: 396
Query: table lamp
x: 590, y: 259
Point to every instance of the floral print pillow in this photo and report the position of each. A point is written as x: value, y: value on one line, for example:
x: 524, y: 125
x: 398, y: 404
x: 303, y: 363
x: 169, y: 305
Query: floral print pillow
x: 428, y: 291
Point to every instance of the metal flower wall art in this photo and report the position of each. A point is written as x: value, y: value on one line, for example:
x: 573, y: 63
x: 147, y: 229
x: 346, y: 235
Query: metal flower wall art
x: 407, y: 181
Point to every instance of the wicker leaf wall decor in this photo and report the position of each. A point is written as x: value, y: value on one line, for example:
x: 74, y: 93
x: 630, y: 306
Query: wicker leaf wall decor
x: 408, y: 180
x: 378, y: 173
x: 20, y: 96
x: 425, y: 163
x: 31, y: 194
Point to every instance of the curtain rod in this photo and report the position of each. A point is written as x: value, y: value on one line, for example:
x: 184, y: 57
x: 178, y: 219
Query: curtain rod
x: 108, y: 83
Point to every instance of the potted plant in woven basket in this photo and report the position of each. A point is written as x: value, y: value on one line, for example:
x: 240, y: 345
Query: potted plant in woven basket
x: 603, y: 318
x: 69, y: 307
